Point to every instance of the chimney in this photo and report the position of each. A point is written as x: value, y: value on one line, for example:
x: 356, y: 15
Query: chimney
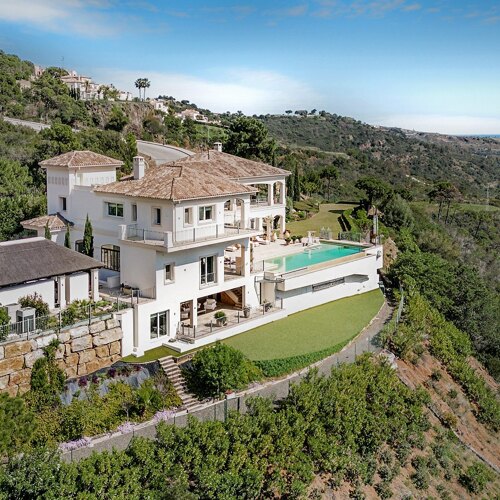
x: 139, y: 167
x: 218, y: 146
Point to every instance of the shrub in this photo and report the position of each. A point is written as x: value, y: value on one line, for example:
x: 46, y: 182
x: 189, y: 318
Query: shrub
x: 436, y: 374
x: 476, y: 477
x: 36, y: 301
x: 217, y: 369
x: 420, y: 477
x: 4, y: 317
x: 16, y: 424
x: 47, y: 379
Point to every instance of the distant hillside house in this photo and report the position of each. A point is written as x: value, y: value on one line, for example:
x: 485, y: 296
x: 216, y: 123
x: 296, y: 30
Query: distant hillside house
x: 192, y: 114
x: 59, y: 275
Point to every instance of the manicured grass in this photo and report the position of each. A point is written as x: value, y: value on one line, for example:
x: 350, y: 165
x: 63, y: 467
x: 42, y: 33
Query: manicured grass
x: 327, y: 216
x: 310, y: 331
x: 472, y: 207
x: 152, y: 355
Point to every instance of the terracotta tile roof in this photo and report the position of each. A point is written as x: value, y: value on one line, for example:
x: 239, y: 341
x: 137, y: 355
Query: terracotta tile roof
x: 230, y: 166
x: 81, y: 159
x: 38, y: 258
x: 56, y: 222
x: 176, y: 183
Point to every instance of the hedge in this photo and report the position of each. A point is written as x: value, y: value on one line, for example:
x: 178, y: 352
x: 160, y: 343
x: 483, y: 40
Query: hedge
x: 284, y: 366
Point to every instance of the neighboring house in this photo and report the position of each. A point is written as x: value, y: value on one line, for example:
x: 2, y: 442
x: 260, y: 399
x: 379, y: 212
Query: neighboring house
x: 159, y: 105
x: 182, y: 238
x: 59, y: 275
x: 192, y: 114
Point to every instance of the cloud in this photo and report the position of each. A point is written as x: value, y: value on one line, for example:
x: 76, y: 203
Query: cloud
x: 76, y: 16
x: 412, y: 7
x: 444, y: 124
x: 253, y: 92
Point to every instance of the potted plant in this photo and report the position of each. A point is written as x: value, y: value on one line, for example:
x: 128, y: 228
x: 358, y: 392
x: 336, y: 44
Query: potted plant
x: 220, y: 318
x: 246, y: 311
x: 287, y: 241
x: 267, y: 305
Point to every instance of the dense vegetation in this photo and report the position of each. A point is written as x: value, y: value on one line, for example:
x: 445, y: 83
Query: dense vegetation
x: 326, y: 424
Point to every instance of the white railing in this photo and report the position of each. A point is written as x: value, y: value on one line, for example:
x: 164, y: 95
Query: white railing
x: 170, y: 239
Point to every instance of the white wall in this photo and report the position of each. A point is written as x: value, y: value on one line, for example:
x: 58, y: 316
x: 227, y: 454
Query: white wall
x: 77, y: 287
x: 45, y: 288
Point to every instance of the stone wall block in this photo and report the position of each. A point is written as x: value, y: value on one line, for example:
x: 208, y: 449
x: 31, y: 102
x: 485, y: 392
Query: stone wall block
x: 60, y: 351
x: 87, y: 356
x: 115, y: 358
x: 81, y: 370
x: 45, y: 340
x: 115, y: 348
x: 4, y: 382
x: 23, y: 389
x: 102, y: 351
x: 64, y: 336
x: 107, y: 336
x: 95, y: 365
x: 22, y: 377
x: 11, y: 365
x: 81, y: 343
x: 2, y: 352
x: 31, y: 357
x: 97, y: 327
x: 12, y: 390
x: 17, y: 349
x: 112, y: 323
x: 79, y: 331
x: 70, y: 371
x: 72, y: 359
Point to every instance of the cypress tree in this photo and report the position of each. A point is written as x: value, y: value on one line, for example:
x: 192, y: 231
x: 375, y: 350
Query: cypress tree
x: 47, y: 231
x: 67, y: 237
x: 296, y: 184
x: 88, y: 239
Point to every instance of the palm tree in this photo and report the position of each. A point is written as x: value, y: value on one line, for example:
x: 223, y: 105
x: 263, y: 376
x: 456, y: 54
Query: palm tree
x: 146, y: 85
x: 138, y: 84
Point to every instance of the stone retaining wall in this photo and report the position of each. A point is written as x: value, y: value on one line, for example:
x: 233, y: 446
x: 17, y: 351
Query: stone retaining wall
x: 83, y: 350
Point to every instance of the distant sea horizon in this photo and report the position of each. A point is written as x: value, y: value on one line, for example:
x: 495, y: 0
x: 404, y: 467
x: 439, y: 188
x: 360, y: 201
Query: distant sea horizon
x: 490, y: 136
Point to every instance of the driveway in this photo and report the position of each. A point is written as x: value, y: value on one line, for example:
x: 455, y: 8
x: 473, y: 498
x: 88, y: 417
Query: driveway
x: 161, y: 153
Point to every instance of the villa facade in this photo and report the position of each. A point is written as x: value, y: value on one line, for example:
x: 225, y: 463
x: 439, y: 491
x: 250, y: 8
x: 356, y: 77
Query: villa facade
x: 192, y: 238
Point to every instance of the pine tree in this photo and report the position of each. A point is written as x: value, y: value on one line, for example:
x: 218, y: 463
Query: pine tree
x: 88, y: 239
x: 67, y: 237
x: 47, y: 231
x: 296, y: 184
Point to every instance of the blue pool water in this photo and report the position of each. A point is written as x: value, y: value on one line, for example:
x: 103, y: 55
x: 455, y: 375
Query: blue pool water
x: 314, y: 255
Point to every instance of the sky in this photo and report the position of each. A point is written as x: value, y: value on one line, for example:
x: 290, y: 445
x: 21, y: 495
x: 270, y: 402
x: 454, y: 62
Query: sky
x: 429, y: 65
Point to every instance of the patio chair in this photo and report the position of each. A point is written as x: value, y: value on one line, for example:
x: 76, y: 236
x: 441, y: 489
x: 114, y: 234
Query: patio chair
x: 210, y: 304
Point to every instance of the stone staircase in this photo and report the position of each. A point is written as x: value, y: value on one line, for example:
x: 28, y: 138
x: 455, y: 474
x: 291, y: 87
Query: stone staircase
x: 174, y: 374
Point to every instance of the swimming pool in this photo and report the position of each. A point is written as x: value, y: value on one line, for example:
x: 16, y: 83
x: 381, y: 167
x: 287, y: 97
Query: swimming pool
x: 313, y: 255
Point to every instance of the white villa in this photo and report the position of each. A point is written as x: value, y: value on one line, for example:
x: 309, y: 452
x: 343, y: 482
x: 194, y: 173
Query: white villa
x: 195, y: 237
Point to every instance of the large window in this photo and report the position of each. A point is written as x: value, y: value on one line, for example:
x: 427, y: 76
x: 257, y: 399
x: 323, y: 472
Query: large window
x: 157, y: 216
x: 79, y: 246
x: 169, y: 273
x: 159, y: 324
x: 207, y: 270
x: 205, y: 213
x: 115, y: 209
x: 110, y: 257
x: 188, y: 216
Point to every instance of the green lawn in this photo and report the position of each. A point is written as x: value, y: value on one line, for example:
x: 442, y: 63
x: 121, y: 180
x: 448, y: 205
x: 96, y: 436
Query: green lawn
x: 327, y: 216
x: 472, y: 207
x: 310, y: 331
x: 305, y: 332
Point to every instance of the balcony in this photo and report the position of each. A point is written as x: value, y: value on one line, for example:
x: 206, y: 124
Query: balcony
x: 178, y: 240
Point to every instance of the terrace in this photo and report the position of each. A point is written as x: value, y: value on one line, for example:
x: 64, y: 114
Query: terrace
x: 178, y: 240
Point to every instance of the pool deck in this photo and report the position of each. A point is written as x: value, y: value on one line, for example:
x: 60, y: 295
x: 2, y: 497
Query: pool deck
x: 280, y: 249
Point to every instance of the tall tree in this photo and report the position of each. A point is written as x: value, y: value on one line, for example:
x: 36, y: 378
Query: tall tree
x: 88, y: 238
x: 296, y: 184
x: 48, y: 236
x: 67, y: 237
x: 249, y: 138
x: 443, y: 192
x: 376, y: 190
x: 329, y: 173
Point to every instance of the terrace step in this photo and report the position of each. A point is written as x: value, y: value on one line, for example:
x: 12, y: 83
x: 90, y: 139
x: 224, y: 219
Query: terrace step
x: 174, y: 374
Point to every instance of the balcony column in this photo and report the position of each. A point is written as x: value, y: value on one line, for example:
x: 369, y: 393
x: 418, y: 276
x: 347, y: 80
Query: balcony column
x: 94, y: 285
x: 270, y: 194
x: 282, y: 193
x: 245, y: 211
x: 282, y: 224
